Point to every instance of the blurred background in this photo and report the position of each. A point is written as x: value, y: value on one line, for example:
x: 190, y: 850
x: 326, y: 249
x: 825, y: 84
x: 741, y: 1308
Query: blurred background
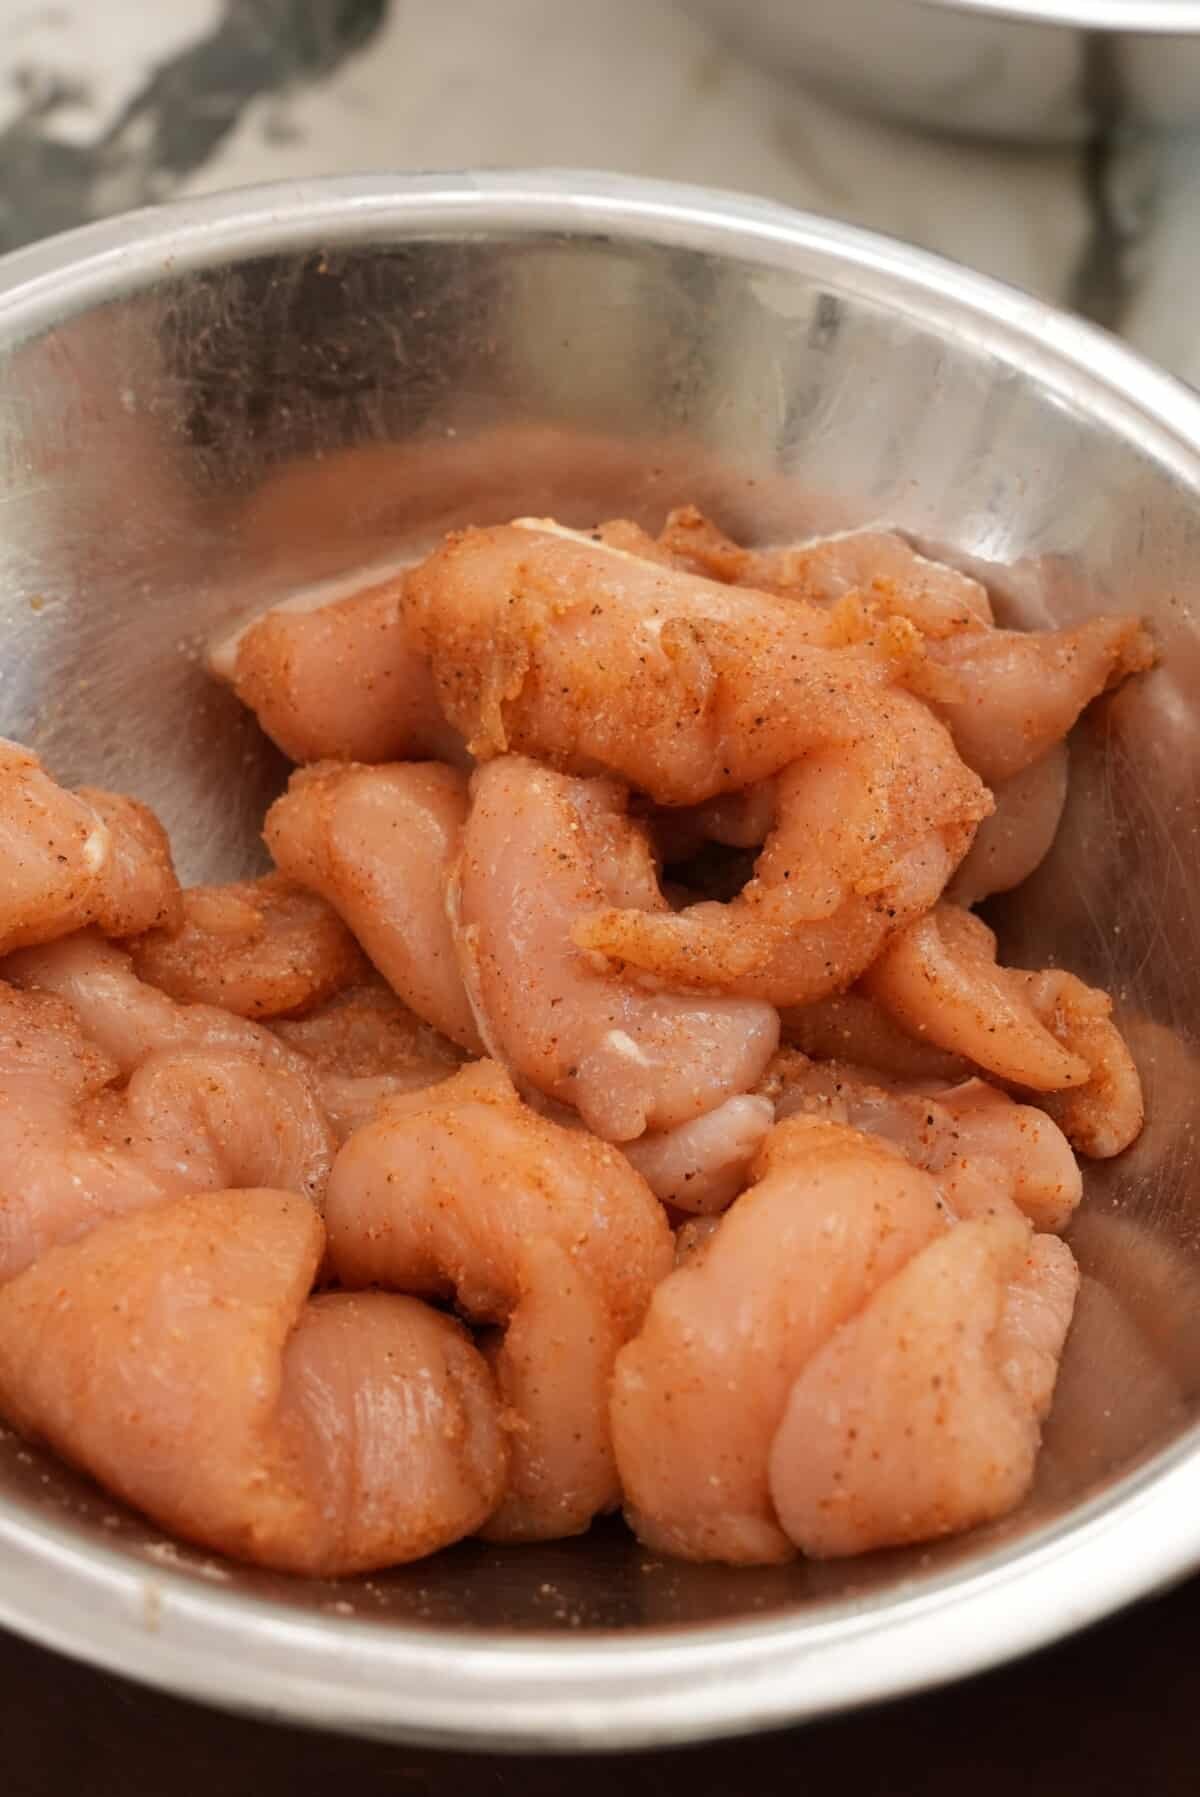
x: 1059, y: 159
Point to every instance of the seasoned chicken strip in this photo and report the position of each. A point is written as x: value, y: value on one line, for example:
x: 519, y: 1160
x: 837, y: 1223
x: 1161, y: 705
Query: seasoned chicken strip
x: 558, y: 645
x: 539, y: 851
x: 259, y: 948
x: 339, y: 680
x: 177, y: 1357
x: 544, y: 1232
x: 921, y: 1416
x: 865, y: 837
x: 699, y: 1392
x: 376, y: 844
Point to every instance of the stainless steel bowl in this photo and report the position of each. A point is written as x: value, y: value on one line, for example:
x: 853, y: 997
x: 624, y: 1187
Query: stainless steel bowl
x: 208, y: 404
x: 1042, y: 70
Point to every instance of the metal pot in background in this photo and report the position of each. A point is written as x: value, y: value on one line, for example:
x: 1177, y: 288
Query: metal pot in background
x: 1034, y: 70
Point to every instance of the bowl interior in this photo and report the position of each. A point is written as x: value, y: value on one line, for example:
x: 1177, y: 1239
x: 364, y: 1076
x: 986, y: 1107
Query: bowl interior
x: 235, y: 426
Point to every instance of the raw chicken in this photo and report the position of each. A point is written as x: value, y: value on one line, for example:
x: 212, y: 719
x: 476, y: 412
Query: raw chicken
x: 539, y: 851
x: 1047, y: 1031
x: 176, y: 1357
x: 987, y: 1153
x: 128, y: 1018
x: 702, y: 1166
x: 69, y: 859
x: 365, y: 1046
x: 545, y: 1232
x: 1008, y: 695
x: 376, y: 843
x: 74, y: 1151
x: 260, y: 948
x: 940, y: 977
x: 555, y: 644
x: 866, y: 835
x: 698, y: 1394
x: 138, y: 888
x: 876, y: 563
x: 852, y: 1027
x: 338, y: 681
x: 921, y: 1415
x: 132, y: 1019
x: 1021, y: 690
x: 1018, y: 836
x: 1105, y: 1114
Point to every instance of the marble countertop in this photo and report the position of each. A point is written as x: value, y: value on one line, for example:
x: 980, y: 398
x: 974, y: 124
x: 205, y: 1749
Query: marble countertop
x: 113, y: 103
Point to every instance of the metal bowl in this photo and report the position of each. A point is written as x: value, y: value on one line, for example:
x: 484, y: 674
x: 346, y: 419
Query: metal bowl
x: 1042, y: 70
x: 212, y: 403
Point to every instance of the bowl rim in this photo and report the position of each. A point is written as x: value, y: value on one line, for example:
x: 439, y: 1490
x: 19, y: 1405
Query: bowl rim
x: 656, y: 1686
x: 1158, y: 18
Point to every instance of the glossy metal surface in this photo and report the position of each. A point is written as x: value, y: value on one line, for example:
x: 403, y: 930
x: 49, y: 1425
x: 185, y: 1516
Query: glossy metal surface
x: 1041, y: 70
x: 210, y: 404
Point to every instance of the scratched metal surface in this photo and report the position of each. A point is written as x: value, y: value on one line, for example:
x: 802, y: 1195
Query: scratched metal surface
x: 227, y: 432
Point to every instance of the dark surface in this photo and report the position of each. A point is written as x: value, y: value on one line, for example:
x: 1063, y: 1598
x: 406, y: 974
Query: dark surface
x: 1115, y: 1711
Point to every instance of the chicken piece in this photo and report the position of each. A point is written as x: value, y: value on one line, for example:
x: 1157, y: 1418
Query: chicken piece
x: 920, y: 1416
x: 217, y: 1119
x: 702, y: 1166
x: 175, y: 1356
x: 128, y: 1018
x: 259, y: 948
x: 53, y: 850
x: 376, y: 843
x: 338, y: 680
x: 544, y: 1232
x: 1008, y: 695
x: 132, y: 1019
x: 1020, y: 833
x: 69, y: 859
x: 138, y: 889
x: 698, y: 1394
x: 939, y: 976
x: 1045, y: 1031
x: 76, y: 1152
x: 849, y: 1026
x: 558, y: 645
x: 1021, y: 691
x: 987, y: 1154
x: 1105, y: 1114
x: 865, y: 837
x: 365, y: 1047
x: 876, y: 563
x: 539, y: 851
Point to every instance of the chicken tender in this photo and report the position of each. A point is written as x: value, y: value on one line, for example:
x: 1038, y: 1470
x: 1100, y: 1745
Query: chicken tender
x: 539, y: 851
x: 1046, y: 1031
x: 76, y: 1150
x: 1014, y: 841
x: 324, y: 1436
x: 866, y: 836
x: 364, y: 1046
x: 70, y: 859
x: 339, y: 680
x: 699, y: 1393
x: 988, y: 1154
x: 558, y: 645
x: 376, y: 844
x: 921, y: 1415
x: 259, y: 948
x: 540, y: 1231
